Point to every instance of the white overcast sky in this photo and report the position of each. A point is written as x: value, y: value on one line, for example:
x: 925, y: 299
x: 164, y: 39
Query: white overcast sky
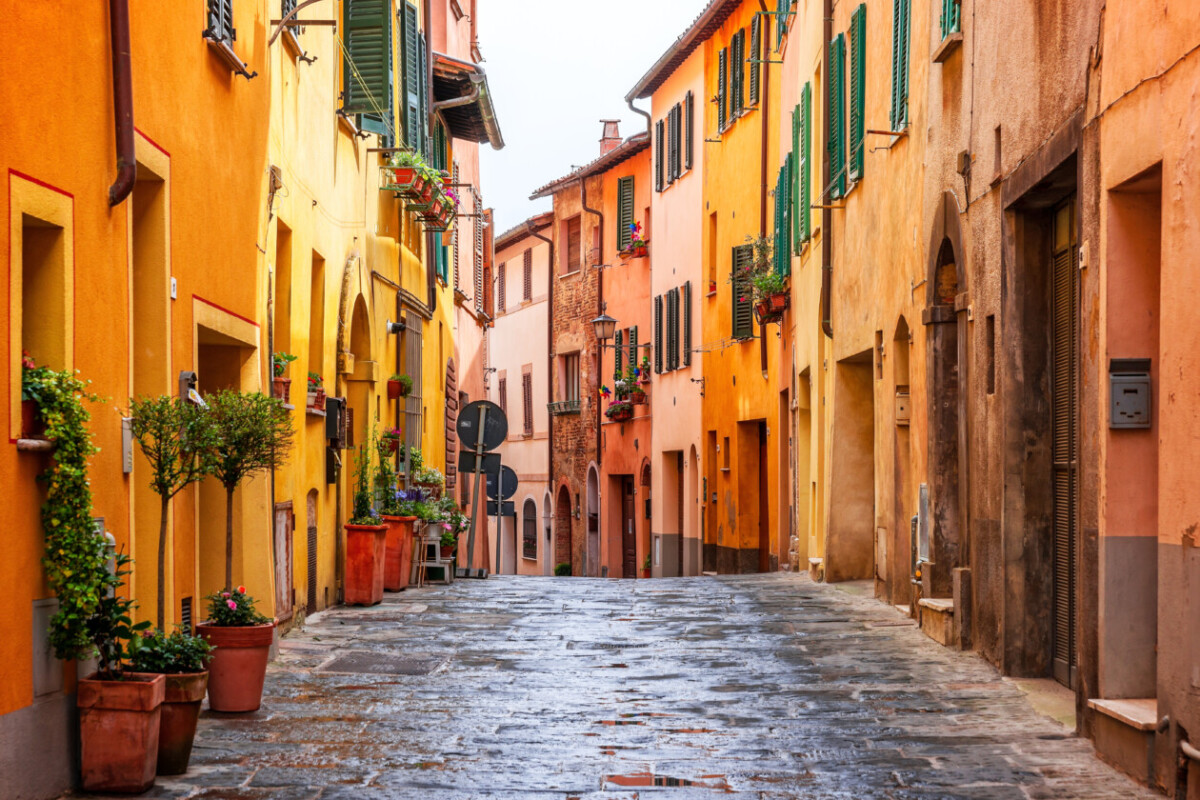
x: 555, y: 69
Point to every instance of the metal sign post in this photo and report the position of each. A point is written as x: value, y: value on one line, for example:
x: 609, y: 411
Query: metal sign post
x: 475, y: 492
x: 477, y: 440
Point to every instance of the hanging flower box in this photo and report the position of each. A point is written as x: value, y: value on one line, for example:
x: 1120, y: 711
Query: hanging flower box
x: 620, y: 412
x: 409, y: 183
x: 316, y: 399
x: 771, y: 307
x: 638, y: 397
x: 444, y: 220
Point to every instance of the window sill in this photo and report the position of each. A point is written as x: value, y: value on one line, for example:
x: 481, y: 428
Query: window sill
x: 948, y: 46
x: 224, y: 51
x: 35, y: 445
x: 570, y: 274
x: 723, y: 469
x: 348, y: 126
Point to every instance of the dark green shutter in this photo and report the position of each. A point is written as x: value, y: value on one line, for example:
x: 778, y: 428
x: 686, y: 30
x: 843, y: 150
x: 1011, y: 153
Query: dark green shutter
x: 624, y: 211
x: 423, y: 88
x: 659, y: 154
x: 672, y: 329
x: 367, y: 62
x: 687, y: 323
x: 722, y: 94
x: 781, y: 20
x: 618, y: 354
x: 672, y: 147
x: 900, y: 20
x: 785, y: 189
x: 739, y: 71
x: 633, y: 341
x: 220, y: 21
x: 794, y: 183
x: 412, y: 79
x: 777, y: 252
x: 690, y: 129
x: 837, y: 117
x: 755, y: 56
x: 858, y: 75
x: 805, y: 210
x: 951, y: 17
x: 743, y: 302
x: 658, y: 320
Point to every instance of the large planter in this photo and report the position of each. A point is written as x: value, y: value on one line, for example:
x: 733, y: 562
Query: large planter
x: 393, y: 389
x: 118, y: 731
x: 620, y: 412
x: 638, y: 397
x: 397, y: 558
x: 180, y: 710
x: 281, y: 388
x: 239, y: 665
x: 365, y: 556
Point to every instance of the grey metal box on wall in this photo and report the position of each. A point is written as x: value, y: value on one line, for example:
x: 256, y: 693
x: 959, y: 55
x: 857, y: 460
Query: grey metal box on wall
x: 1129, y: 393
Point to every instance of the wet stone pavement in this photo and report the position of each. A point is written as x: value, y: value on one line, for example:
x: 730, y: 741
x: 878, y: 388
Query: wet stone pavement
x: 762, y: 686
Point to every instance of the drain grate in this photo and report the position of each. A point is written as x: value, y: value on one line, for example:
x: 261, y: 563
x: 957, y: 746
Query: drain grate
x: 381, y: 664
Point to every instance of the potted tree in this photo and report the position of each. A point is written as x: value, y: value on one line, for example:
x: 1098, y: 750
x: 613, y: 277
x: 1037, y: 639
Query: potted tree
x: 316, y: 393
x: 183, y: 659
x: 400, y: 511
x: 282, y: 386
x: 365, y: 541
x: 399, y: 386
x: 252, y: 433
x: 175, y: 436
x: 242, y: 640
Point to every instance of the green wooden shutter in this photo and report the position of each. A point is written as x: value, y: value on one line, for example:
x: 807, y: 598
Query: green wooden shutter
x: 794, y: 183
x: 624, y: 211
x: 779, y: 251
x: 633, y: 346
x: 805, y: 203
x: 659, y: 151
x: 739, y: 71
x: 658, y: 320
x: 788, y: 211
x: 687, y: 323
x: 858, y: 75
x: 618, y: 354
x: 837, y: 117
x: 722, y: 94
x: 781, y: 21
x: 412, y: 79
x: 743, y: 302
x: 367, y: 58
x: 423, y: 88
x: 672, y: 146
x: 951, y: 17
x: 673, y: 329
x: 689, y: 110
x: 755, y: 56
x: 900, y: 25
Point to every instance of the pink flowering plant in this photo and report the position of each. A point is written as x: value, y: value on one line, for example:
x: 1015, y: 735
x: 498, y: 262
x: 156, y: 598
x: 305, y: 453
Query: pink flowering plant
x: 636, y: 237
x: 233, y: 608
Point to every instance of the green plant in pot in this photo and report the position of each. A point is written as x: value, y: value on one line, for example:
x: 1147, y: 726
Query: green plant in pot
x: 174, y: 435
x: 366, y: 538
x: 252, y: 433
x: 183, y: 659
x: 282, y: 385
x: 399, y: 385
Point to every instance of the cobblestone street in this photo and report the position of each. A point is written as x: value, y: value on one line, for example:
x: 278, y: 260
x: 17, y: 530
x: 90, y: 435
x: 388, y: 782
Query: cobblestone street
x: 760, y: 686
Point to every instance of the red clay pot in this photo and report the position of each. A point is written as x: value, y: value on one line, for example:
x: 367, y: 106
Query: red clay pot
x: 397, y: 560
x: 118, y: 731
x: 180, y: 711
x: 638, y: 397
x: 239, y: 665
x: 32, y: 425
x: 645, y: 572
x: 282, y: 388
x: 365, y: 549
x: 448, y: 550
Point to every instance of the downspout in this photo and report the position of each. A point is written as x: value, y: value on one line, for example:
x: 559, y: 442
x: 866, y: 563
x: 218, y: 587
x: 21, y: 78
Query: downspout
x: 549, y: 353
x: 599, y: 293
x: 465, y: 100
x: 826, y: 213
x: 430, y: 239
x: 118, y: 20
x: 764, y: 113
x: 646, y: 114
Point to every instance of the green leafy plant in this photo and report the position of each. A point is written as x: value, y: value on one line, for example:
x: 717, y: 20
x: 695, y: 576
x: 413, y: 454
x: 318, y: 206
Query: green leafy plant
x: 562, y: 570
x: 75, y: 556
x: 174, y: 653
x: 252, y: 433
x: 449, y: 537
x: 646, y: 563
x: 406, y: 383
x: 415, y: 460
x: 233, y: 608
x: 110, y: 626
x: 430, y: 476
x: 31, y: 376
x: 385, y: 476
x: 279, y: 363
x: 363, y: 512
x: 760, y: 272
x: 175, y: 437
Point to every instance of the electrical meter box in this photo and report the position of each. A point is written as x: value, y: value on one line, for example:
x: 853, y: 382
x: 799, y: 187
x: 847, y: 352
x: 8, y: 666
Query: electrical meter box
x: 1129, y: 393
x: 903, y: 406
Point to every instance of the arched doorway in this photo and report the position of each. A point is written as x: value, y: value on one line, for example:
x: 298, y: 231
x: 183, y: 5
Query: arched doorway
x: 529, y: 529
x: 592, y: 564
x: 562, y: 528
x: 902, y: 550
x: 357, y: 391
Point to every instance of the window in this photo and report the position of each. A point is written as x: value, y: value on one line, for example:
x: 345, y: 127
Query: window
x: 316, y: 316
x: 527, y: 399
x: 568, y: 377
x: 858, y: 72
x: 722, y: 94
x: 574, y: 254
x: 618, y: 355
x: 502, y: 392
x: 802, y: 149
x: 900, y: 21
x: 659, y: 154
x: 413, y: 56
x: 783, y: 222
x: 282, y: 297
x: 220, y: 21
x: 676, y: 139
x: 737, y: 72
x: 529, y: 529
x: 755, y: 57
x: 951, y: 21
x: 528, y: 275
x: 500, y: 290
x: 689, y: 110
x: 625, y: 212
x: 658, y: 334
x: 781, y: 22
x: 367, y: 63
x: 687, y: 323
x: 633, y: 346
x: 743, y: 309
x: 837, y: 117
x: 712, y: 253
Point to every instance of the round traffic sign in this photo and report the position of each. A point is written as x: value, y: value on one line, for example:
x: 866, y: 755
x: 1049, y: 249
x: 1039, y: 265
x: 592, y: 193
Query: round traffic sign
x: 495, y: 425
x: 508, y: 483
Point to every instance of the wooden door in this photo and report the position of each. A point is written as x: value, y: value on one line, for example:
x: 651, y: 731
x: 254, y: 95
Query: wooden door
x: 285, y: 522
x: 628, y: 535
x: 679, y: 512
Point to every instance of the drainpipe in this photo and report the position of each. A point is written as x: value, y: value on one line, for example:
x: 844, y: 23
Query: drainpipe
x: 764, y: 113
x: 826, y: 214
x: 549, y: 352
x: 599, y: 292
x: 646, y: 114
x: 118, y: 20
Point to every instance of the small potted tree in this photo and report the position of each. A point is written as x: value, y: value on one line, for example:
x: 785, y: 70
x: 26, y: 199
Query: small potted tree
x: 316, y: 393
x: 281, y: 385
x: 366, y: 541
x: 183, y: 660
x: 242, y: 639
x: 175, y: 436
x: 399, y: 386
x: 252, y: 433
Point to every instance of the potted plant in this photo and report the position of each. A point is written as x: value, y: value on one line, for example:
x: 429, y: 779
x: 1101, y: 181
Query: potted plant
x: 400, y: 512
x: 408, y: 174
x: 316, y: 392
x: 119, y: 710
x: 621, y: 411
x: 183, y: 659
x: 646, y: 567
x: 242, y: 639
x: 430, y: 479
x: 769, y: 288
x: 562, y: 570
x: 637, y: 242
x: 282, y: 386
x: 449, y: 540
x: 389, y: 441
x: 365, y: 541
x: 32, y: 424
x: 399, y: 386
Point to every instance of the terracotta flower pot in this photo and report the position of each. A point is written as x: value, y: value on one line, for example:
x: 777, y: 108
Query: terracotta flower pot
x: 778, y: 302
x: 118, y: 731
x: 637, y: 397
x: 397, y: 559
x: 32, y: 425
x: 448, y: 550
x: 180, y: 710
x: 365, y: 556
x: 393, y: 390
x: 645, y: 572
x: 390, y: 445
x: 281, y: 388
x: 239, y: 665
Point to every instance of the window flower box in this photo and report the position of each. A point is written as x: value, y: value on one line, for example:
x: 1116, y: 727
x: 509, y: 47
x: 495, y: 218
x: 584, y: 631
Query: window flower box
x: 620, y: 412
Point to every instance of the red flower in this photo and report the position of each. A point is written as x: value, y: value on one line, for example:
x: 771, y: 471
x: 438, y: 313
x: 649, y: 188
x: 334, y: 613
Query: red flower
x: 241, y: 590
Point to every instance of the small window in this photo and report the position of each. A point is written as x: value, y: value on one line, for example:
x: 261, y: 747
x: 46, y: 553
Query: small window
x: 574, y: 245
x: 500, y: 289
x: 502, y: 392
x: 527, y: 400
x: 568, y: 377
x: 527, y: 276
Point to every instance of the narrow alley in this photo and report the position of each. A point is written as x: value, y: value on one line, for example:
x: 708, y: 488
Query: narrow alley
x: 764, y: 686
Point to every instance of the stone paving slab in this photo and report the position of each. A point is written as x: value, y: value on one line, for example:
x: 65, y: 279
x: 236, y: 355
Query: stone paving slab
x: 760, y: 686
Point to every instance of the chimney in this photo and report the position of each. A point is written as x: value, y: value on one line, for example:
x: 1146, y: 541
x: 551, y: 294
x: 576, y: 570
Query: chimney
x: 612, y: 136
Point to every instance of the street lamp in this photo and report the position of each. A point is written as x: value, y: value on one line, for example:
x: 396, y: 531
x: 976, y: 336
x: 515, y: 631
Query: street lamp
x: 604, y: 326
